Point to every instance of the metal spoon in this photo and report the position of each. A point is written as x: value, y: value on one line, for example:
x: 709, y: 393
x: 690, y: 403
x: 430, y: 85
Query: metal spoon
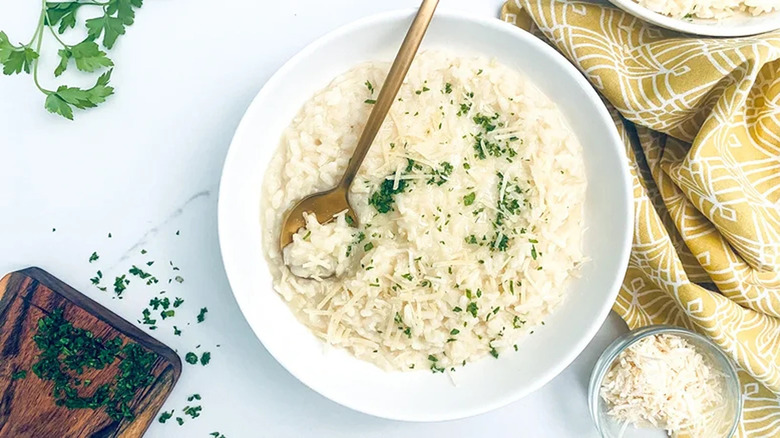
x: 326, y: 204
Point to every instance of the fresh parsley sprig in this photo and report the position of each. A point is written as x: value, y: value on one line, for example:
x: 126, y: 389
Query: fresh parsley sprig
x: 86, y: 55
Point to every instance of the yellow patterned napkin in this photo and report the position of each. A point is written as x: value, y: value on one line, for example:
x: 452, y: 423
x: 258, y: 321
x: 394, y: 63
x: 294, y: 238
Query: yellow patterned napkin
x: 700, y: 119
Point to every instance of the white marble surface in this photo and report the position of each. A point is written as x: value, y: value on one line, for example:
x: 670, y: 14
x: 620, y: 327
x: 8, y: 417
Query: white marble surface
x: 148, y: 164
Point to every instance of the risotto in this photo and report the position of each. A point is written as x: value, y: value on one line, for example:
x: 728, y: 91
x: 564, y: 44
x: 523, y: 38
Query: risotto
x: 469, y: 208
x: 713, y: 9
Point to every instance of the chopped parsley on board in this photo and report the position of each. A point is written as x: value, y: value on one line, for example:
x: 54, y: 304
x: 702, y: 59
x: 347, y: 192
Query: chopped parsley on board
x: 67, y: 351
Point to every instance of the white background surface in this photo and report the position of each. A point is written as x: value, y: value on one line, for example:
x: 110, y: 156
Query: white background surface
x: 147, y: 164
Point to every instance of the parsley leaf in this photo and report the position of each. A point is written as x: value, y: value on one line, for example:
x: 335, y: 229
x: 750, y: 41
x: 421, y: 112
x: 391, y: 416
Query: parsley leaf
x: 60, y: 102
x: 15, y: 59
x: 110, y: 27
x: 63, y: 13
x: 89, y: 57
x: 124, y: 9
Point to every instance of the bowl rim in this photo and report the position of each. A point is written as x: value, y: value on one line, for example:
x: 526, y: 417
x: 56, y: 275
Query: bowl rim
x: 623, y: 342
x: 715, y: 29
x: 613, y: 137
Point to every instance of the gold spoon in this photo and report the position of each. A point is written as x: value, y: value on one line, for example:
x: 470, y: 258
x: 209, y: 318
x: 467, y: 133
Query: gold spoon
x: 326, y: 204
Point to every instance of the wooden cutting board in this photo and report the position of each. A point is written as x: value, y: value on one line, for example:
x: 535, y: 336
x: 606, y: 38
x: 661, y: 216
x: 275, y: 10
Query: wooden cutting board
x: 29, y: 298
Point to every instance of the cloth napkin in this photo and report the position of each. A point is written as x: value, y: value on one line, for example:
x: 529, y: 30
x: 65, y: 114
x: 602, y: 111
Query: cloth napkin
x: 700, y: 119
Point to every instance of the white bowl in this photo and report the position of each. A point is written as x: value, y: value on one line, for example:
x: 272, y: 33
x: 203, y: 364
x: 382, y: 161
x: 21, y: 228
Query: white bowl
x: 486, y: 384
x: 742, y: 24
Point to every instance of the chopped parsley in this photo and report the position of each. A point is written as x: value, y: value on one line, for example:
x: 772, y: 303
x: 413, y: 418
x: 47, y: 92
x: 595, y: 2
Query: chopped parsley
x: 370, y: 87
x: 165, y: 416
x: 65, y: 349
x: 382, y: 199
x: 192, y: 411
x: 469, y: 199
x: 205, y: 358
x: 191, y: 358
x: 454, y: 332
x: 202, y: 314
x: 485, y: 122
x: 493, y: 352
x: 472, y: 308
x: 93, y: 257
x: 447, y: 88
x: 370, y: 101
x: 120, y: 284
x: 21, y: 374
x: 368, y: 246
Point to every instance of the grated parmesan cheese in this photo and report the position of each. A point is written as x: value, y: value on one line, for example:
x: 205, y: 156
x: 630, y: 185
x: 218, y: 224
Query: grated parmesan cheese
x: 663, y: 382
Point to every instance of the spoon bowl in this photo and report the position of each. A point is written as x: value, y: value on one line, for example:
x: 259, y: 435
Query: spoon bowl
x: 326, y: 204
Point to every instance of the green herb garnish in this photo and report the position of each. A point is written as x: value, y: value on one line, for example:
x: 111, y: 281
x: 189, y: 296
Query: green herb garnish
x: 191, y: 358
x: 65, y: 349
x: 58, y: 18
x: 202, y: 314
x: 165, y: 416
x: 192, y: 411
x: 383, y: 198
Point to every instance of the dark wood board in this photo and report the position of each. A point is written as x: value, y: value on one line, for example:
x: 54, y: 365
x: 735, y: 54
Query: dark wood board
x: 27, y: 407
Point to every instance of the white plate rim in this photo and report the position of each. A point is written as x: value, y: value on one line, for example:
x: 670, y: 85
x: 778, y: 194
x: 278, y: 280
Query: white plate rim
x: 626, y: 238
x: 701, y: 27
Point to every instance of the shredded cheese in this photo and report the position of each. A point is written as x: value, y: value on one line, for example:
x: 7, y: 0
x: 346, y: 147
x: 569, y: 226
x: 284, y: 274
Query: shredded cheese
x: 663, y: 382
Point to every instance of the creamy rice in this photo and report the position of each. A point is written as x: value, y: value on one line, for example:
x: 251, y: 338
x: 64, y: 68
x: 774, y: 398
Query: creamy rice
x: 469, y: 206
x: 715, y: 9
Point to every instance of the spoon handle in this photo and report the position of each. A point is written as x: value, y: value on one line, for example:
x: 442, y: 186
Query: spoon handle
x: 395, y: 78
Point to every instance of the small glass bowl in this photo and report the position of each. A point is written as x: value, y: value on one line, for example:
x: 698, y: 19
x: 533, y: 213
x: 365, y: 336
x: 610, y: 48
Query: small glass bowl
x: 728, y: 420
